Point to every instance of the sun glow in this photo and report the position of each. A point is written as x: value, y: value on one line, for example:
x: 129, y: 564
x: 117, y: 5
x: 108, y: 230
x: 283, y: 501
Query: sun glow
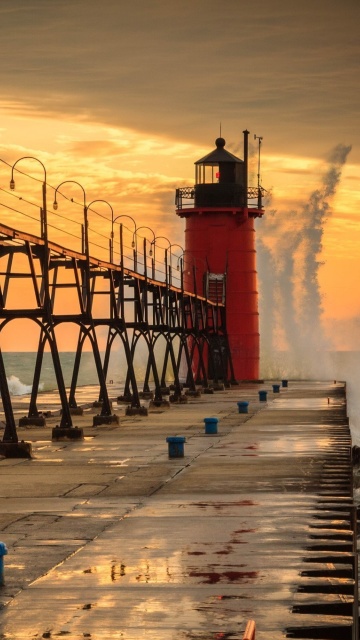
x: 137, y: 174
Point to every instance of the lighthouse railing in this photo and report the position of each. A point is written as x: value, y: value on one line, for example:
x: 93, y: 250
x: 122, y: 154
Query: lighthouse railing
x: 228, y: 196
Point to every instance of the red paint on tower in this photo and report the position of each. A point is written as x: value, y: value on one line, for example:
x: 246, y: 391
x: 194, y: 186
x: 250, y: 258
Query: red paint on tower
x: 220, y: 257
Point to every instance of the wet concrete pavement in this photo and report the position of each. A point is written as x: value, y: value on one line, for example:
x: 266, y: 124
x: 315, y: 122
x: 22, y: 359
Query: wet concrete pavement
x: 109, y: 538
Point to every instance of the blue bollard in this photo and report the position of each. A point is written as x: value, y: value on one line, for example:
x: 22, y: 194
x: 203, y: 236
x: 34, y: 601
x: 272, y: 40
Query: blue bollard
x: 284, y: 383
x: 176, y: 446
x: 211, y: 425
x: 243, y: 406
x: 262, y: 396
x: 276, y: 388
x: 3, y: 552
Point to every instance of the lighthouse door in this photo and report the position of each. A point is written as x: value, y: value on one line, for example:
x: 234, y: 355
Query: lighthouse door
x: 214, y: 287
x: 214, y: 290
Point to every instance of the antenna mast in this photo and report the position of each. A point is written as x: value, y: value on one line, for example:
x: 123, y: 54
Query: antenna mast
x: 258, y: 174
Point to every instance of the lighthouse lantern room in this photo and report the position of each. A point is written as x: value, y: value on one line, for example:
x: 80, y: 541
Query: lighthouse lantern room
x: 220, y: 247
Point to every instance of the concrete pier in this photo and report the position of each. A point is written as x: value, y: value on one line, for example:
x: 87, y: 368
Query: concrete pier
x: 108, y: 537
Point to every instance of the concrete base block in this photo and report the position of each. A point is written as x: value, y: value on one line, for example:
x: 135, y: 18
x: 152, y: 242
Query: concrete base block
x: 97, y: 404
x: 136, y: 411
x: 165, y: 391
x: 38, y: 421
x: 67, y: 433
x: 193, y: 394
x: 98, y: 420
x: 16, y: 449
x: 179, y: 399
x: 146, y: 395
x: 159, y: 404
x: 172, y: 387
x: 126, y: 398
x: 76, y: 411
x: 218, y: 386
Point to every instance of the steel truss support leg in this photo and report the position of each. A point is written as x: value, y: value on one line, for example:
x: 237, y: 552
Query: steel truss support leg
x: 10, y: 447
x: 66, y: 421
x: 129, y: 353
x: 184, y: 347
x: 109, y: 341
x: 33, y: 411
x: 165, y: 363
x: 196, y: 342
x: 146, y: 387
x: 10, y: 434
x: 106, y: 407
x: 175, y: 367
x: 201, y: 365
x: 75, y: 374
x: 152, y: 361
x: 130, y: 380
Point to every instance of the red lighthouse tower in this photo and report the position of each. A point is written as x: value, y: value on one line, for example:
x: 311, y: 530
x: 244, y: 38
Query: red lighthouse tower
x: 220, y: 247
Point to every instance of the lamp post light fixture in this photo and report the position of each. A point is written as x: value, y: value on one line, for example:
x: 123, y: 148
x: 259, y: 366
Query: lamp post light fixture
x: 134, y: 238
x: 180, y: 247
x: 180, y: 267
x: 85, y: 238
x: 44, y: 230
x: 152, y: 242
x: 174, y: 244
x: 179, y: 261
x: 151, y: 251
x: 166, y: 252
x: 112, y: 224
x: 260, y: 139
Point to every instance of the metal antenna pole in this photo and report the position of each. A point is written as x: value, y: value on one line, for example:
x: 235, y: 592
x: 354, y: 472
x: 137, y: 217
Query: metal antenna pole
x: 259, y: 138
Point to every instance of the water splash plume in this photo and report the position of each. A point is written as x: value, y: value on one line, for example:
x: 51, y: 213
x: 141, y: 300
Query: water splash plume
x: 289, y: 260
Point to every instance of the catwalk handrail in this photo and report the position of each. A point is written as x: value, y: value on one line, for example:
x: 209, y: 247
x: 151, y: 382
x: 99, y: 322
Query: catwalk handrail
x: 9, y: 233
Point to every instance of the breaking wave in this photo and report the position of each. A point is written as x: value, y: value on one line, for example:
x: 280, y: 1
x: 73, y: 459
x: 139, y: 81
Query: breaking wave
x: 18, y: 388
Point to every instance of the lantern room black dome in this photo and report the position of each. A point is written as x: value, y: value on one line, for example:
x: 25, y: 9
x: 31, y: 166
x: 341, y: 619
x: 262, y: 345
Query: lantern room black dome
x: 219, y: 155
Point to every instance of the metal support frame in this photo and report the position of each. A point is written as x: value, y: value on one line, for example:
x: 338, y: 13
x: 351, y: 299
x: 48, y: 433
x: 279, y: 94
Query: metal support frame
x: 135, y: 308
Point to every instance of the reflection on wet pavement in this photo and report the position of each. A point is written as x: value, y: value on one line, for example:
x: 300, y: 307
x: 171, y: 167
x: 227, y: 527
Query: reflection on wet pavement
x: 186, y: 549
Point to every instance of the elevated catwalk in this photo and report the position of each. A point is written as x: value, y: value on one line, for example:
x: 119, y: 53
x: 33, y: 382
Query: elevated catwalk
x: 65, y: 288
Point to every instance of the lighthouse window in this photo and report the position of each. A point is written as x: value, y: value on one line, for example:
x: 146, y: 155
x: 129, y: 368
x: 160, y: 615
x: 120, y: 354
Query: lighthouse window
x: 209, y: 174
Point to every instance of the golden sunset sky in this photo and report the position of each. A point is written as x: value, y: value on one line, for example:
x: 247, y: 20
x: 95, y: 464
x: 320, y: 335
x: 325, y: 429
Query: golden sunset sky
x: 123, y: 97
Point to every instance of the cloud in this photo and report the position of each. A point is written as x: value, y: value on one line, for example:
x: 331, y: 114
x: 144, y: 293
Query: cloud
x: 147, y: 67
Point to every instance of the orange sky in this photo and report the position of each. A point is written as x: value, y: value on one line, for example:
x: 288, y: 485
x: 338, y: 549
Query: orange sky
x: 124, y: 99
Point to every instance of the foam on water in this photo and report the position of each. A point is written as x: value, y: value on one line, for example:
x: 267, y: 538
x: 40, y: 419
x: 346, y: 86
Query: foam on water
x: 18, y: 388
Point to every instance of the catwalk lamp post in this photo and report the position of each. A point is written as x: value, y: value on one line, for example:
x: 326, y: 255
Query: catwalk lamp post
x: 85, y: 235
x: 180, y: 267
x: 112, y: 224
x: 174, y: 244
x: 133, y: 243
x: 151, y: 252
x: 259, y: 138
x: 166, y: 251
x: 44, y: 230
x: 84, y: 239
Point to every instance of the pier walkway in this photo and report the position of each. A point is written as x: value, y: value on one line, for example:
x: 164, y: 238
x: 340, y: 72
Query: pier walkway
x: 109, y: 538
